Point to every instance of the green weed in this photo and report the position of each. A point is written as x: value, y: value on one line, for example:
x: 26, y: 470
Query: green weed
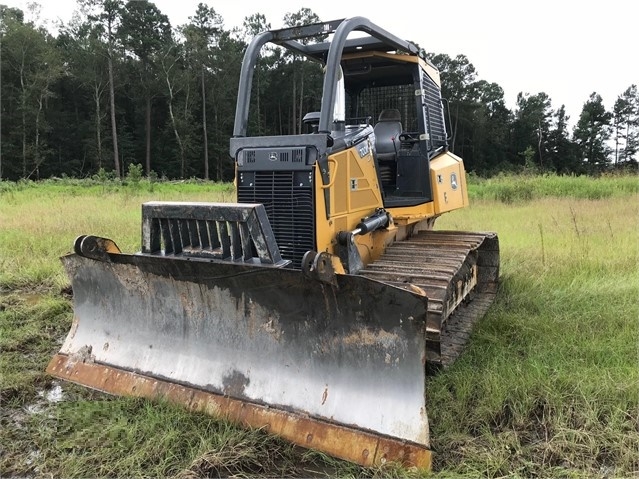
x: 125, y: 437
x: 30, y: 325
x: 547, y: 386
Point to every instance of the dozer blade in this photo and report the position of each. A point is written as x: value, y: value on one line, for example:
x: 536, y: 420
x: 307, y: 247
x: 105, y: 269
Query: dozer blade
x: 335, y: 368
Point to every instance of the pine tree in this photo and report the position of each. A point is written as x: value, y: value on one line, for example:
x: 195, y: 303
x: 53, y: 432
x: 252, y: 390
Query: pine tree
x: 592, y: 134
x: 145, y: 30
x: 202, y: 41
x: 107, y: 17
x: 532, y: 125
x: 626, y: 126
x: 562, y: 152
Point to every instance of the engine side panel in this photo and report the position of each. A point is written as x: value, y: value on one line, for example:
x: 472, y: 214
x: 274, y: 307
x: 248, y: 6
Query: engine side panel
x: 448, y: 180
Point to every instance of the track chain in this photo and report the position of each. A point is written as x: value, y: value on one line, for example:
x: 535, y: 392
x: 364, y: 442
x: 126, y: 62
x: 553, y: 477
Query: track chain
x: 458, y: 273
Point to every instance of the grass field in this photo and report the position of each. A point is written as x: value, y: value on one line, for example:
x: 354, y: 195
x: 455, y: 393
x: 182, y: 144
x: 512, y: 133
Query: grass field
x: 548, y: 386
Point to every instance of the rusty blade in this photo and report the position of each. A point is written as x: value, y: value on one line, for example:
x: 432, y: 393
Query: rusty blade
x: 337, y: 440
x: 347, y: 357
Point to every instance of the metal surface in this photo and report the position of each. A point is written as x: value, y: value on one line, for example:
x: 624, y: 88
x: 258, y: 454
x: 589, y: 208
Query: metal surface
x: 319, y: 266
x: 350, y: 355
x: 344, y: 442
x: 458, y: 272
x: 289, y: 202
x: 95, y: 247
x: 331, y: 54
x: 226, y: 231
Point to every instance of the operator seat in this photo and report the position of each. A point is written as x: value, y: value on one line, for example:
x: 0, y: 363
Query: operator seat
x: 311, y: 122
x: 387, y: 131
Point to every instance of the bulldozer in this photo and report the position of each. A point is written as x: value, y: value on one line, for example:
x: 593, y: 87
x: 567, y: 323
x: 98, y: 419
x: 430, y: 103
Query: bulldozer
x: 317, y: 305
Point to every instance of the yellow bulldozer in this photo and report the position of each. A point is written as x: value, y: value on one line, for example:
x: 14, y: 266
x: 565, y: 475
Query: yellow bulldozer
x: 317, y: 305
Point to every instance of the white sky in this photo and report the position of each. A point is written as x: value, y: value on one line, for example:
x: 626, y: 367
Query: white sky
x: 565, y: 48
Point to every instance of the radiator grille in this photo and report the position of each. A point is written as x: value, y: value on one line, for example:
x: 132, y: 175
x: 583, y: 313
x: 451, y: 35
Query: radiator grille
x: 289, y: 207
x: 433, y: 99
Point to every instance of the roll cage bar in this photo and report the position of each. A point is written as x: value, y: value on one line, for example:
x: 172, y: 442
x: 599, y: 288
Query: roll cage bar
x: 328, y: 53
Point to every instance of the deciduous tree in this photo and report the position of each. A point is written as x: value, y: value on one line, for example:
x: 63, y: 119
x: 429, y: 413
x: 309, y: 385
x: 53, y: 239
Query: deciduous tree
x: 36, y: 65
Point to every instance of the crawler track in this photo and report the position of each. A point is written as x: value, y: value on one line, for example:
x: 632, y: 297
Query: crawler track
x: 457, y: 271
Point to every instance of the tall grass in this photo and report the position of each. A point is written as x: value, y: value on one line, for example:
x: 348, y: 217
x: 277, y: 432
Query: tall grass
x: 133, y: 438
x: 509, y: 189
x: 28, y: 325
x: 547, y: 387
x: 40, y: 221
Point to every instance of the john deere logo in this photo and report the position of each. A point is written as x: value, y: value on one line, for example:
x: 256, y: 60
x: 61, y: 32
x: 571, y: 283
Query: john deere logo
x: 273, y: 156
x: 453, y: 181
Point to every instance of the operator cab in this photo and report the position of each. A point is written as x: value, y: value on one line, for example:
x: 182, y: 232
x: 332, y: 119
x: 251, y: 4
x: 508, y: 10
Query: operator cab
x: 402, y: 93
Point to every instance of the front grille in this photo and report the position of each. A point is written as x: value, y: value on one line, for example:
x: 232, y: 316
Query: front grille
x: 289, y: 207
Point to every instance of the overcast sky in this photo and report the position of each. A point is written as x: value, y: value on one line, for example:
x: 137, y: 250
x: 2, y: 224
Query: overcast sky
x: 565, y: 48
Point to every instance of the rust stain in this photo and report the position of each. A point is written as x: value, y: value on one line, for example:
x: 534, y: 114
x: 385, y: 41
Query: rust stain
x: 361, y: 447
x: 187, y: 306
x: 130, y: 279
x: 366, y: 337
x: 259, y: 319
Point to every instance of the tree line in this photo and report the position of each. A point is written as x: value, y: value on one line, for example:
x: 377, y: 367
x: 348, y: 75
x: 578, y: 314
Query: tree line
x: 120, y: 86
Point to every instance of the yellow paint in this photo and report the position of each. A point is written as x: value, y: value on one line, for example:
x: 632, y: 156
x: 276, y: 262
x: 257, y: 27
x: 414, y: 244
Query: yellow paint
x: 430, y: 70
x: 354, y: 194
x: 448, y: 182
x: 407, y: 215
x: 355, y: 191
